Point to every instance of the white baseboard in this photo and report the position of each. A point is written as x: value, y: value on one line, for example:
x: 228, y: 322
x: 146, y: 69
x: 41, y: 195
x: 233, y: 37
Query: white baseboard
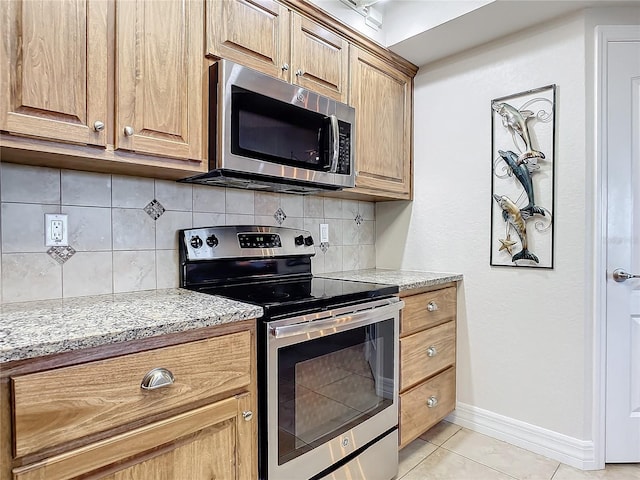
x: 571, y: 451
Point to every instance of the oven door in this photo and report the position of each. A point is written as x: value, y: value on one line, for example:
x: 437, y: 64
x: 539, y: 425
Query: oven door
x: 332, y: 387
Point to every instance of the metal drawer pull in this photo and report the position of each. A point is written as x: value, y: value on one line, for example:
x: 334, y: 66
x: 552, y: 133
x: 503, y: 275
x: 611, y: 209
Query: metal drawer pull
x: 432, y: 401
x: 432, y: 306
x: 157, y: 378
x: 432, y: 351
x: 248, y: 415
x: 98, y: 126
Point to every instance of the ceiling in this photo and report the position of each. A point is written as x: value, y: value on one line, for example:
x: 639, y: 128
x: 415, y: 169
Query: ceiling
x: 423, y: 31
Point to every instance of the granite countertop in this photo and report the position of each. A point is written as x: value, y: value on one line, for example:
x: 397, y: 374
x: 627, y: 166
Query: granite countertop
x: 406, y: 280
x: 34, y: 329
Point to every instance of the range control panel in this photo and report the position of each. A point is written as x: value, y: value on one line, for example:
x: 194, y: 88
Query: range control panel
x: 210, y: 243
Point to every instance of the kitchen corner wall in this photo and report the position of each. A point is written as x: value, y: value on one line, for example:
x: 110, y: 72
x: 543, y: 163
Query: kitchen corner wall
x: 122, y: 230
x: 523, y: 333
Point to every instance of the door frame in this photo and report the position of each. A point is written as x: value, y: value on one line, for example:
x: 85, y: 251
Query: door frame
x: 604, y: 35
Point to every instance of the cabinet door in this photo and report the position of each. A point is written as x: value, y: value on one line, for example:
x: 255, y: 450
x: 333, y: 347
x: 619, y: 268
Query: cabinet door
x: 160, y: 72
x: 213, y: 441
x: 382, y: 99
x: 53, y: 69
x: 253, y: 33
x: 319, y: 59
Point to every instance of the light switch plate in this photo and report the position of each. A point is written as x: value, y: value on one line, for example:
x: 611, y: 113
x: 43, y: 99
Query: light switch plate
x: 56, y: 230
x: 324, y: 233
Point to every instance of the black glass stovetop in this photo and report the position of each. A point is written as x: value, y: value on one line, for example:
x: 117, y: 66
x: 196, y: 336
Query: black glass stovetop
x: 301, y: 295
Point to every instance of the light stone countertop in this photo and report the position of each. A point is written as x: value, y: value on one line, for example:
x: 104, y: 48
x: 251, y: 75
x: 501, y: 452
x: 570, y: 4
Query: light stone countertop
x: 34, y: 329
x: 406, y: 280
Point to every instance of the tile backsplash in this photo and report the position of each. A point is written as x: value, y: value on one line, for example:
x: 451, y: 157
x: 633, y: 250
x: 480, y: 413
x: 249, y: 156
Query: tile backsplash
x: 122, y: 230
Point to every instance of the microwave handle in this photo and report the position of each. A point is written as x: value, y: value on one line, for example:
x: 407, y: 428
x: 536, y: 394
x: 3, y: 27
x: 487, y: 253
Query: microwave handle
x: 335, y: 143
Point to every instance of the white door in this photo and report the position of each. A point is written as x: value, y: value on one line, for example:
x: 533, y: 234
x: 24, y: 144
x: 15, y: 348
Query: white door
x: 623, y: 252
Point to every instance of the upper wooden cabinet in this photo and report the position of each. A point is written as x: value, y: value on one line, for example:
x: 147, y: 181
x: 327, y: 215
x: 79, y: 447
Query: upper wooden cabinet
x: 125, y: 75
x: 255, y: 34
x: 382, y: 97
x: 319, y: 59
x: 266, y: 36
x: 160, y: 73
x: 53, y: 80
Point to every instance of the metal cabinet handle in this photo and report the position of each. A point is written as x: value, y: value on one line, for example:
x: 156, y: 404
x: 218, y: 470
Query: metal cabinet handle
x: 432, y: 401
x: 98, y: 126
x: 619, y: 275
x: 248, y: 415
x: 299, y: 73
x: 432, y: 306
x: 285, y: 67
x: 432, y: 351
x: 128, y: 131
x: 157, y: 378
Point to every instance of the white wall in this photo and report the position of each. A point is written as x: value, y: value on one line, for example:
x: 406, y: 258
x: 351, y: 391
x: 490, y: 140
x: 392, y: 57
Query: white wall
x: 406, y: 18
x: 525, y: 338
x: 521, y: 332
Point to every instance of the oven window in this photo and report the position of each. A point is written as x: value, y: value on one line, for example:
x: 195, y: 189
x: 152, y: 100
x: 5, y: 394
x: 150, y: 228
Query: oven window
x: 330, y: 384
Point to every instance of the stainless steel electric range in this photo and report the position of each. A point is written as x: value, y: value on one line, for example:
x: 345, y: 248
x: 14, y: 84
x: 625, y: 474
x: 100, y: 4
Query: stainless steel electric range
x: 327, y: 352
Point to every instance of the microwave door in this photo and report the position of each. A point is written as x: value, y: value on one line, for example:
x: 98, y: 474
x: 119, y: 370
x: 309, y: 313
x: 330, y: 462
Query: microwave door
x: 329, y: 139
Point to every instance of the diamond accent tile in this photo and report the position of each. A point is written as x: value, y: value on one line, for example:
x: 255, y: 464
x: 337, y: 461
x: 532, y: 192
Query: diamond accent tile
x: 324, y: 246
x: 154, y: 209
x: 359, y: 219
x: 61, y: 254
x: 279, y: 216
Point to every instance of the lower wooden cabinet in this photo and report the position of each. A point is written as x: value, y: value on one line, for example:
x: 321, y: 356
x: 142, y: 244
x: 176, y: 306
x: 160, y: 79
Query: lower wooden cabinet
x: 66, y: 418
x: 200, y: 444
x: 427, y: 360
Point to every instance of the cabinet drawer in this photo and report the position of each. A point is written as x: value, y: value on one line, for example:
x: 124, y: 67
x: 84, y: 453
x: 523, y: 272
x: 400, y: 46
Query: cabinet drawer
x: 428, y: 309
x: 425, y: 353
x: 416, y: 416
x: 60, y: 405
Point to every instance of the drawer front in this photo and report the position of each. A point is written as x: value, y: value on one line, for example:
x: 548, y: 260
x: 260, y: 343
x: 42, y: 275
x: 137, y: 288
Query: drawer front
x: 427, y: 352
x: 60, y: 405
x: 416, y: 416
x: 428, y: 309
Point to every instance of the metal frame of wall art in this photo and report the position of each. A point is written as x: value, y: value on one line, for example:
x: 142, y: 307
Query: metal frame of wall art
x: 522, y: 178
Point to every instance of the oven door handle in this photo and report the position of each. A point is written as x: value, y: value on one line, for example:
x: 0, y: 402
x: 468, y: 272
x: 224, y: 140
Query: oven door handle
x: 337, y: 323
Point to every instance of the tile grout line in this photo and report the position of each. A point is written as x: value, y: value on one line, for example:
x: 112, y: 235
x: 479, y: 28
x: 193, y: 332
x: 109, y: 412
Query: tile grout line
x: 416, y: 465
x: 555, y: 471
x: 480, y: 463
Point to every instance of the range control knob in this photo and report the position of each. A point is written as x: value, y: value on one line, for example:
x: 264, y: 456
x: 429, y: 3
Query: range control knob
x: 212, y: 241
x: 308, y: 241
x: 196, y: 242
x: 299, y: 240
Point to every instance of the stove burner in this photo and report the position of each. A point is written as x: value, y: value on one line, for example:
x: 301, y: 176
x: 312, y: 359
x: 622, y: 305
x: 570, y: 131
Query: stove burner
x: 270, y: 296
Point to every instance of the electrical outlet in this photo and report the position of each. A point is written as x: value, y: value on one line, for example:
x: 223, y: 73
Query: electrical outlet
x: 324, y: 233
x: 55, y: 230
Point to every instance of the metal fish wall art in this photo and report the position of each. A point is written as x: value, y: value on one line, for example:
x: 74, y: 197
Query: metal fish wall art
x: 516, y: 121
x: 523, y: 175
x: 522, y: 172
x: 516, y: 219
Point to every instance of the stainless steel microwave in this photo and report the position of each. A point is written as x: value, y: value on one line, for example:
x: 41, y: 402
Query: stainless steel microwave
x: 268, y: 134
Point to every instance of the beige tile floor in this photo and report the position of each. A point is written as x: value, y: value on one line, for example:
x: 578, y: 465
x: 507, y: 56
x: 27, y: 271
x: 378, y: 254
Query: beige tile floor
x: 448, y: 452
